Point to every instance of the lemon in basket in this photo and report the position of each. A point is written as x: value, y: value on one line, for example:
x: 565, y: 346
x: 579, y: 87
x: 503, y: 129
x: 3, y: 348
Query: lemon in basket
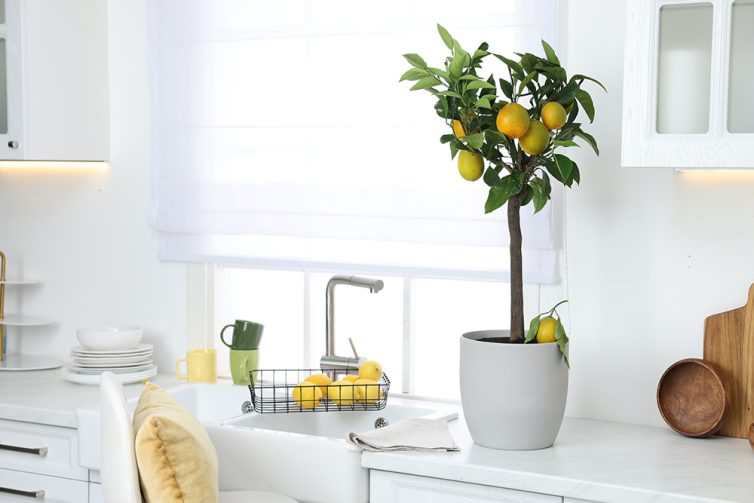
x: 320, y: 380
x: 370, y: 369
x: 368, y: 390
x: 307, y: 395
x: 350, y: 378
x: 341, y: 393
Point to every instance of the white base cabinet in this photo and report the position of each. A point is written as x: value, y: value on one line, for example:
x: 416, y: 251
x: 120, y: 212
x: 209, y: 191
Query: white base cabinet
x: 390, y: 487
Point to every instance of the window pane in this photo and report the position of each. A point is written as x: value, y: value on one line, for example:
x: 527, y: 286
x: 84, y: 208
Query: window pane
x: 683, y: 68
x: 2, y: 11
x: 740, y: 104
x: 443, y: 310
x: 373, y: 321
x: 273, y: 298
x: 3, y: 89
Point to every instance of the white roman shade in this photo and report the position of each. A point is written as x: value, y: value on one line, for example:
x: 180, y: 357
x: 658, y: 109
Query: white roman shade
x: 281, y: 137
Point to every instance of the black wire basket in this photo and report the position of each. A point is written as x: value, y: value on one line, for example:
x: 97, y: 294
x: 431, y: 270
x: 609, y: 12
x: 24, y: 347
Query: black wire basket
x: 282, y: 391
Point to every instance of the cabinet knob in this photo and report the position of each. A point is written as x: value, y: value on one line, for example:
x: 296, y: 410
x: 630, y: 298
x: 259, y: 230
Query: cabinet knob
x: 13, y: 144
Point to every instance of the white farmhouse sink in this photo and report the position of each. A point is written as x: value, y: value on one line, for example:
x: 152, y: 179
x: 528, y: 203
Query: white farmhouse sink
x: 305, y: 455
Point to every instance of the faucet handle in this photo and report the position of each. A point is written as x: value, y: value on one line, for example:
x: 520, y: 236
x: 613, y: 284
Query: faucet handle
x: 345, y: 363
x: 353, y: 348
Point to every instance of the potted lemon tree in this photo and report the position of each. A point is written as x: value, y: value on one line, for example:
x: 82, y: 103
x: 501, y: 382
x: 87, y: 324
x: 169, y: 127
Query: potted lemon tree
x: 509, y: 132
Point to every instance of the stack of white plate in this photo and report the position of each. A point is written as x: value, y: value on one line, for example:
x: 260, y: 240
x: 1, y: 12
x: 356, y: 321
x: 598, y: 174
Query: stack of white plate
x: 129, y: 365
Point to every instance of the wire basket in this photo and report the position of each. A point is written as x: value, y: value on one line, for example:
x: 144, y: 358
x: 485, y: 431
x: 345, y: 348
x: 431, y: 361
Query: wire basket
x: 278, y: 391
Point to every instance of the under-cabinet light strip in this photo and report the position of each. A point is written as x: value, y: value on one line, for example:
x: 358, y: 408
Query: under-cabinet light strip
x: 54, y: 165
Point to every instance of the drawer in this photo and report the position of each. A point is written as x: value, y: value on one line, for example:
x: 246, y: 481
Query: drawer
x: 37, y: 448
x: 387, y: 487
x: 49, y: 489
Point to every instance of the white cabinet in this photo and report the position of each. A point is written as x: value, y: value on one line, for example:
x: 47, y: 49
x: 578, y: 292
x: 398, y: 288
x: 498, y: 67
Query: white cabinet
x: 687, y: 84
x: 38, y: 459
x: 389, y: 487
x: 54, y: 88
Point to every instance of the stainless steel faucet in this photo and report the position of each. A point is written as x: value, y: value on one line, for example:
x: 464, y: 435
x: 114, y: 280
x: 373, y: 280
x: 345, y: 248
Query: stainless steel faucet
x: 330, y: 360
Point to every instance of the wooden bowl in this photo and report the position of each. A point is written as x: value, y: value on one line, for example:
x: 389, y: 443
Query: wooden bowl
x: 692, y: 398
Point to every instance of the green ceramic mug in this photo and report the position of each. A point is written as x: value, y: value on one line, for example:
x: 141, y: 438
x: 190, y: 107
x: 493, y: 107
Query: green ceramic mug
x: 241, y: 363
x: 246, y: 335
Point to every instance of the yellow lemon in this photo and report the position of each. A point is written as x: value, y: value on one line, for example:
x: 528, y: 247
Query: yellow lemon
x: 553, y: 115
x: 368, y: 390
x: 536, y: 138
x: 470, y: 165
x: 546, y: 330
x: 350, y: 378
x: 320, y: 380
x: 307, y: 395
x: 512, y: 120
x: 341, y: 393
x: 370, y: 369
x: 458, y: 129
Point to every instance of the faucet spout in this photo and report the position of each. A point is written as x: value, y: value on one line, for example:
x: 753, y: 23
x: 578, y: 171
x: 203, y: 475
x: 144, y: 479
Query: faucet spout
x: 374, y: 286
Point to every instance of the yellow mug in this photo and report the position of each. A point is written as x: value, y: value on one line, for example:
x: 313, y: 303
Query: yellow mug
x: 201, y: 366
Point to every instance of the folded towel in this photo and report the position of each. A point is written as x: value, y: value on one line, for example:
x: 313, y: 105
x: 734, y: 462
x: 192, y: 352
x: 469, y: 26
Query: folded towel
x: 424, y: 435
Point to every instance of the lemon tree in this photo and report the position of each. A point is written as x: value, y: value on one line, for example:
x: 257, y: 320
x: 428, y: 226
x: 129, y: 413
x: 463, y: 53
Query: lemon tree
x: 517, y: 123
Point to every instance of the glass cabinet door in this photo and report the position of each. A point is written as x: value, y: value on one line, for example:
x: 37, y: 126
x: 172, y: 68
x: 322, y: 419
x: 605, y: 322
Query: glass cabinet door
x: 741, y: 74
x: 11, y: 105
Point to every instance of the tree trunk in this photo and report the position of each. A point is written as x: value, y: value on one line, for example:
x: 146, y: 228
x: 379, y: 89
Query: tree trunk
x: 517, y: 281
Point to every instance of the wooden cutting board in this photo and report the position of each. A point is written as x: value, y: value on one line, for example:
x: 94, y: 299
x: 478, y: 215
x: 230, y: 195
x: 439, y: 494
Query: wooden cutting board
x: 729, y: 345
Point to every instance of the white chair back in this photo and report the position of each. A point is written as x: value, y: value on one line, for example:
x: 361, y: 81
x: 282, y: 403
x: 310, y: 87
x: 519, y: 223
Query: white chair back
x: 120, y: 476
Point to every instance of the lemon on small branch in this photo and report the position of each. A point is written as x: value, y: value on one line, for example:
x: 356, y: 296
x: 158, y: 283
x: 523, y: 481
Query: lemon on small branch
x: 546, y: 327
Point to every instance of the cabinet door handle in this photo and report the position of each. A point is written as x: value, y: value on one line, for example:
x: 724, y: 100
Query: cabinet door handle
x: 39, y: 451
x: 13, y: 144
x: 29, y: 494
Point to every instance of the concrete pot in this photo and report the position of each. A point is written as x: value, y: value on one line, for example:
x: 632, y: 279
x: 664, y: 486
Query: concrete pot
x: 513, y: 395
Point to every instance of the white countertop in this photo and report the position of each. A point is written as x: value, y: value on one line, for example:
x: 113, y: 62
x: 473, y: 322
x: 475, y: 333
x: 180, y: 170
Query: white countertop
x: 44, y: 397
x: 597, y: 461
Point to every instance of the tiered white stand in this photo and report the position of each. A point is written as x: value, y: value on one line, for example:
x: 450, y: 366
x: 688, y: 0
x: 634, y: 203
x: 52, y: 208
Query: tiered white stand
x: 18, y: 361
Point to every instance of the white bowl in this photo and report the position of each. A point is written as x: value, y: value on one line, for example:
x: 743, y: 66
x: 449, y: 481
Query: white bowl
x: 109, y: 338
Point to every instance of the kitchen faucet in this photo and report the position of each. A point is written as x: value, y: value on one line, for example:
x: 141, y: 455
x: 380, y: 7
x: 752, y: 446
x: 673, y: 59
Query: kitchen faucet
x: 330, y: 360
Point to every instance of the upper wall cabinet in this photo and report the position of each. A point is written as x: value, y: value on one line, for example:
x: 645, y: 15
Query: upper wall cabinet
x: 54, y: 80
x: 689, y: 83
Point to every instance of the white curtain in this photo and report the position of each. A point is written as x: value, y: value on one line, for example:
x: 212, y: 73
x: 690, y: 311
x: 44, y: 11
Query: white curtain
x: 281, y: 136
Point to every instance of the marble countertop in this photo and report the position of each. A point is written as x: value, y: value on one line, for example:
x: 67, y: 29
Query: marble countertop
x: 44, y: 397
x: 596, y: 461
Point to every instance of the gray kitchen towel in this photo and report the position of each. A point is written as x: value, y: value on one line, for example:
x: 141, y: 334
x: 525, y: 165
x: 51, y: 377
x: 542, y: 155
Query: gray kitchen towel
x: 423, y: 435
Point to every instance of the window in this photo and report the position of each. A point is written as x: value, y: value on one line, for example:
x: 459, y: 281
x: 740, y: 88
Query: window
x: 412, y: 326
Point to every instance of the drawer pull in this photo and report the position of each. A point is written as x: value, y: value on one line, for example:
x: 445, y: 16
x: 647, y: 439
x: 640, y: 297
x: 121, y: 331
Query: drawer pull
x: 29, y: 494
x: 39, y: 451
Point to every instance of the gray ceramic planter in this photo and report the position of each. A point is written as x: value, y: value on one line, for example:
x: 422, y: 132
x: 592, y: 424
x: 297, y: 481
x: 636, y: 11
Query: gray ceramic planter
x: 513, y: 395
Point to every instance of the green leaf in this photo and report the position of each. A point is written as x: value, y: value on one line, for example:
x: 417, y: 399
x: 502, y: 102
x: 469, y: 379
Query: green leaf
x: 446, y: 138
x: 584, y: 77
x: 507, y: 88
x: 475, y: 140
x: 531, y: 76
x: 562, y: 339
x: 576, y: 174
x: 479, y: 54
x: 498, y: 196
x: 565, y: 168
x: 453, y: 149
x: 413, y: 74
x: 565, y: 143
x: 566, y: 95
x: 483, y: 102
x: 470, y: 76
x: 491, y: 177
x: 538, y: 195
x: 528, y: 61
x: 586, y: 103
x: 550, y: 53
x: 450, y: 93
x: 441, y: 107
x: 479, y: 84
x: 426, y: 83
x: 495, y: 136
x: 533, y: 327
x: 589, y: 139
x: 455, y: 68
x: 513, y: 65
x: 555, y: 72
x: 438, y: 73
x: 415, y: 60
x: 445, y: 36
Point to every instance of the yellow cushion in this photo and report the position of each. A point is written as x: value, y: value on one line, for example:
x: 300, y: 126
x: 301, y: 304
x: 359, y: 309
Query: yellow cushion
x: 176, y: 459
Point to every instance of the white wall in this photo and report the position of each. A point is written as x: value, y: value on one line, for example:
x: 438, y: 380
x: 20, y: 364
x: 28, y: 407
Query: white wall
x: 651, y: 252
x: 85, y: 234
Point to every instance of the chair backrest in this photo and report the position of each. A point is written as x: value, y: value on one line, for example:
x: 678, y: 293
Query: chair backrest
x: 120, y: 476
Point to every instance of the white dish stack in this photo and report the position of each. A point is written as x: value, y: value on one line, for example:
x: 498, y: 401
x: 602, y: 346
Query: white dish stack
x: 114, y: 349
